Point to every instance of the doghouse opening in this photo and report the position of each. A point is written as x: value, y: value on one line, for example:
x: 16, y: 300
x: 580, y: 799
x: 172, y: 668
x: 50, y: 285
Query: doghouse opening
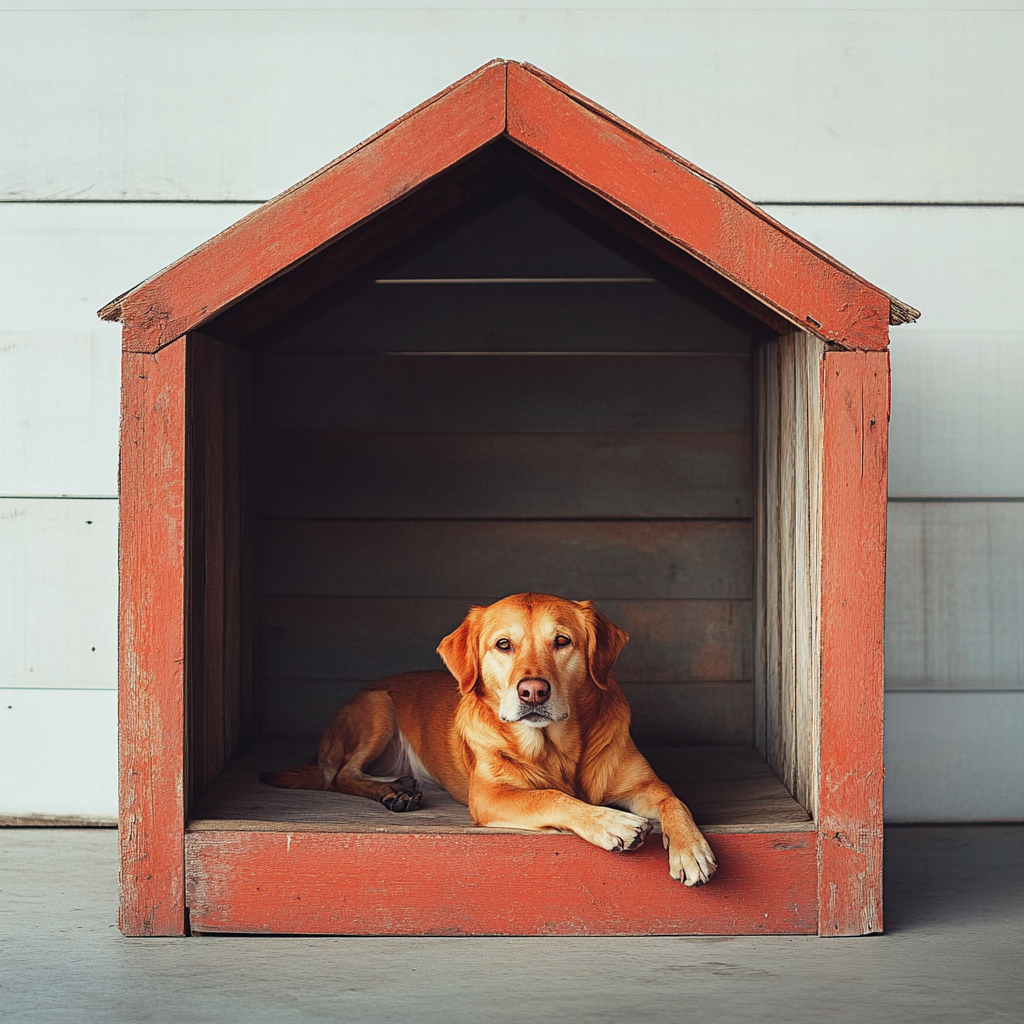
x: 514, y: 396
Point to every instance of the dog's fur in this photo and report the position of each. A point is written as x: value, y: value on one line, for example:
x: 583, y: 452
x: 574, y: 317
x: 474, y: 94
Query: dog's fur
x: 557, y: 764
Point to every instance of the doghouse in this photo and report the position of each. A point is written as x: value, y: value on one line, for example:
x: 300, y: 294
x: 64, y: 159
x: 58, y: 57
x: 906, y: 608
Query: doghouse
x: 509, y: 343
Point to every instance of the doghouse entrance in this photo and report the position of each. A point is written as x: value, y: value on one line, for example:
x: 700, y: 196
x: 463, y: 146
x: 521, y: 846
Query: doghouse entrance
x: 513, y: 399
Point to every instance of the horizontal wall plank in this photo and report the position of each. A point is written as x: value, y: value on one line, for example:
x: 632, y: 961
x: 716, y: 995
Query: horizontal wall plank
x: 58, y: 593
x: 330, y: 638
x: 606, y: 317
x: 496, y: 393
x: 954, y: 757
x: 957, y: 427
x: 502, y: 476
x: 664, y: 714
x: 58, y: 753
x: 60, y: 262
x: 603, y: 559
x: 59, y: 409
x: 955, y: 596
x: 867, y: 117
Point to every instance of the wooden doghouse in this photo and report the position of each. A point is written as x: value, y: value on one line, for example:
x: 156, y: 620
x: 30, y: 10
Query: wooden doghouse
x: 509, y: 343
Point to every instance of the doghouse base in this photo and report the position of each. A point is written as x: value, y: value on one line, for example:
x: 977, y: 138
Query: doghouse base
x: 260, y: 860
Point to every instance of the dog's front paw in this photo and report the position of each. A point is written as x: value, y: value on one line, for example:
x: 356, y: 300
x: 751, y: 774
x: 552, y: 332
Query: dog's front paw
x: 403, y: 796
x: 617, y: 830
x: 690, y: 859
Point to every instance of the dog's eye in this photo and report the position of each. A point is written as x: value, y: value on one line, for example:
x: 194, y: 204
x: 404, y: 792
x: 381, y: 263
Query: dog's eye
x: 562, y: 641
x: 504, y: 645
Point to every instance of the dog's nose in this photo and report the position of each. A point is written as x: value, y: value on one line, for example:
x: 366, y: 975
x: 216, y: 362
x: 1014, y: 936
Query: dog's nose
x: 533, y: 691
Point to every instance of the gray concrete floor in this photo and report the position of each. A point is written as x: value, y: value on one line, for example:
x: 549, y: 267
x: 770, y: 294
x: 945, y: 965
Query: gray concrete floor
x: 954, y: 952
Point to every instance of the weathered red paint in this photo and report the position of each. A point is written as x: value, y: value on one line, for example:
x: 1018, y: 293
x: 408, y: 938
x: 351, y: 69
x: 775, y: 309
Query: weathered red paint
x: 285, y: 231
x: 671, y: 196
x: 332, y: 883
x: 253, y: 881
x: 856, y: 427
x: 152, y: 642
x: 693, y: 210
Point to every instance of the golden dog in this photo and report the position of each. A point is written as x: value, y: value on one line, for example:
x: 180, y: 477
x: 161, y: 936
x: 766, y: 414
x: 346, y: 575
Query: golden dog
x: 531, y: 733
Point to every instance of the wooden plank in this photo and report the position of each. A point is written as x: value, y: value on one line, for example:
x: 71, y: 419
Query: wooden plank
x: 668, y: 714
x: 599, y: 560
x: 58, y: 392
x: 809, y: 352
x: 151, y: 654
x: 954, y: 596
x: 502, y: 476
x: 58, y: 563
x: 424, y: 142
x: 761, y: 533
x: 664, y: 713
x: 364, y: 638
x: 784, y: 762
x: 234, y: 734
x: 701, y: 215
x: 957, y: 423
x: 856, y: 407
x: 725, y: 787
x: 211, y: 394
x: 954, y: 757
x: 266, y: 882
x: 603, y: 318
x: 501, y: 393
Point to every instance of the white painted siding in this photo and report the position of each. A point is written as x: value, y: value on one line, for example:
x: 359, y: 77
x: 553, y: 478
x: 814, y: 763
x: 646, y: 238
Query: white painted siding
x: 784, y: 104
x: 954, y: 757
x: 825, y: 102
x: 58, y: 754
x: 955, y: 596
x: 58, y: 603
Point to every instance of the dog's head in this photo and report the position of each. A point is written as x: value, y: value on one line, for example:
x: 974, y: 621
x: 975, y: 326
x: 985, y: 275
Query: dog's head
x: 531, y: 654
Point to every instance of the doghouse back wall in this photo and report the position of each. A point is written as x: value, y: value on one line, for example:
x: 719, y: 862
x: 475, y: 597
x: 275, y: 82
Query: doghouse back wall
x: 513, y: 407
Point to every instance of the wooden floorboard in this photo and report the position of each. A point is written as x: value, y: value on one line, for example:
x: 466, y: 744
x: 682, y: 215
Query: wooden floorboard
x: 729, y: 789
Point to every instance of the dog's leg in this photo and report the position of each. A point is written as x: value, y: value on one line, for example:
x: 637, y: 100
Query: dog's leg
x: 356, y: 737
x: 690, y: 859
x: 501, y: 805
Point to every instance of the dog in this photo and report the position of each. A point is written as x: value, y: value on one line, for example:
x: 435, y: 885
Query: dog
x: 526, y: 727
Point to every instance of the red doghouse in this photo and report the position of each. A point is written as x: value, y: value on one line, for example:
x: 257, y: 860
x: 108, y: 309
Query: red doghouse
x: 509, y: 343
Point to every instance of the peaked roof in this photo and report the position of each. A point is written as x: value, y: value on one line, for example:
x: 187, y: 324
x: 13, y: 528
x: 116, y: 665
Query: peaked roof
x: 696, y: 213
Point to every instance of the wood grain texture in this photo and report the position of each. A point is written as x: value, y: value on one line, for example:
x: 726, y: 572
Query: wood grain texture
x: 521, y: 318
x: 365, y: 638
x: 152, y: 643
x: 954, y: 595
x: 788, y: 558
x: 726, y: 787
x: 357, y: 185
x: 701, y: 215
x: 508, y: 393
x: 856, y: 413
x: 218, y: 665
x: 328, y: 883
x: 503, y: 476
x: 664, y: 713
x: 697, y: 559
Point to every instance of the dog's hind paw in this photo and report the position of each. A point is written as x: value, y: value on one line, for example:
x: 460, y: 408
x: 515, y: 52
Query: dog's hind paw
x: 402, y: 797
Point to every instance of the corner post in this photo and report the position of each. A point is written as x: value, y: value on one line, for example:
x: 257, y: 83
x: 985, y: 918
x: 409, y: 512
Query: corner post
x: 855, y: 391
x: 151, y: 642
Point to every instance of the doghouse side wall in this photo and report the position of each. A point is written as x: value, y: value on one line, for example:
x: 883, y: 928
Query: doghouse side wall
x: 219, y: 649
x: 787, y: 559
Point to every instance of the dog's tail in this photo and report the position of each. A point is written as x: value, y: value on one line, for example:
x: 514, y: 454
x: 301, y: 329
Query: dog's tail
x: 303, y: 776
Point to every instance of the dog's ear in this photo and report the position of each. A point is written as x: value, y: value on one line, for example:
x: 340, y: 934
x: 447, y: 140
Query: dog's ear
x: 604, y: 641
x: 460, y: 651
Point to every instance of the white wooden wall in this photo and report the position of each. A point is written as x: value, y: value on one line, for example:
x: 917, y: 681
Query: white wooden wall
x: 894, y: 138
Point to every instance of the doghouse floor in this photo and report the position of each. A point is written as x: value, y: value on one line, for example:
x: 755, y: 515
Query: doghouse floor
x: 728, y: 789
